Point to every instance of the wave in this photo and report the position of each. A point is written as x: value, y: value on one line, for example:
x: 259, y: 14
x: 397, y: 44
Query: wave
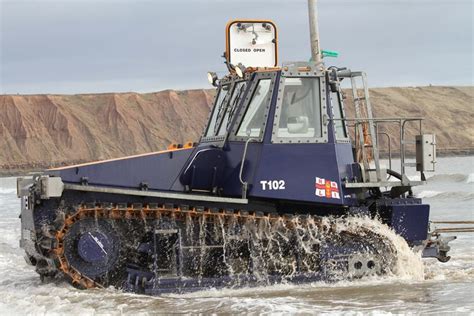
x: 7, y: 190
x: 465, y: 196
x: 428, y: 194
x: 452, y: 177
x: 470, y: 178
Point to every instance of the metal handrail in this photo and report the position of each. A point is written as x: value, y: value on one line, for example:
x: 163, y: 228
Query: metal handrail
x: 244, y: 155
x: 389, y: 141
x: 400, y: 121
x: 452, y: 222
x: 457, y: 229
x: 380, y: 119
x: 454, y: 230
x: 365, y: 122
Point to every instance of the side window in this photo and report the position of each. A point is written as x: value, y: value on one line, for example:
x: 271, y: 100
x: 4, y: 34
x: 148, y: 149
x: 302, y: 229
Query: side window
x: 239, y: 89
x: 339, y: 125
x: 252, y: 123
x: 222, y: 93
x: 300, y: 114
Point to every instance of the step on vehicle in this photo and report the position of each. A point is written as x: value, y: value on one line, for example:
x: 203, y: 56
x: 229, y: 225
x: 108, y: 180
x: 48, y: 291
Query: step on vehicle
x: 267, y: 195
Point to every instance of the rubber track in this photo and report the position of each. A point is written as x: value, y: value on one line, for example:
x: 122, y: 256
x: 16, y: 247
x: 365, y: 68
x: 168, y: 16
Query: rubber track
x: 138, y: 211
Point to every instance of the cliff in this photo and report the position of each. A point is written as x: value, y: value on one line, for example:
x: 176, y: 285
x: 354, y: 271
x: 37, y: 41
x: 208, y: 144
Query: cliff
x: 38, y: 131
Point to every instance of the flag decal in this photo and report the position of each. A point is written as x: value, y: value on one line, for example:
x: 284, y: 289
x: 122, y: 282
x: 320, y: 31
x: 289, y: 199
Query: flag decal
x: 326, y: 188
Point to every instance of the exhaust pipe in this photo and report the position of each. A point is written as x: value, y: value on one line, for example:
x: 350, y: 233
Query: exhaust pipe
x: 314, y: 31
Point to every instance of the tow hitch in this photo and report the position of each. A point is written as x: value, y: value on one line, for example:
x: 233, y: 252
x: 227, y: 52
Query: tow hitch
x: 437, y: 245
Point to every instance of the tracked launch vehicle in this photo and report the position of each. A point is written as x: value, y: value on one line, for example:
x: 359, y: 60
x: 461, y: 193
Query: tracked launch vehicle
x: 267, y: 195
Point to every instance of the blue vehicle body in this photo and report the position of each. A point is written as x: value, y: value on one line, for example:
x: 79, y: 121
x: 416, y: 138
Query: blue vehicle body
x: 281, y: 187
x: 293, y: 167
x: 157, y: 170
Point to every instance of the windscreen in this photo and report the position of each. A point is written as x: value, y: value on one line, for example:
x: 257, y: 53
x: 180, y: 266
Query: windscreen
x: 221, y: 96
x: 225, y: 118
x: 300, y: 115
x: 254, y: 118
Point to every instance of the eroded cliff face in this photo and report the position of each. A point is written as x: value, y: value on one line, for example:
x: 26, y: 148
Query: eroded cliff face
x: 38, y: 131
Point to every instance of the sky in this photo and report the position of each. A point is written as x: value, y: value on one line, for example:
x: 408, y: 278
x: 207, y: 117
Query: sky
x: 86, y: 46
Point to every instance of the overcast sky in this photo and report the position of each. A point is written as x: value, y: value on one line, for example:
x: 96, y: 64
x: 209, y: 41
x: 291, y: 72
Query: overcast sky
x: 111, y: 45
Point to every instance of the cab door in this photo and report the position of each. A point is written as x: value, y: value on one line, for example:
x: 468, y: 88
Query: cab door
x: 248, y: 131
x: 207, y: 165
x: 299, y: 160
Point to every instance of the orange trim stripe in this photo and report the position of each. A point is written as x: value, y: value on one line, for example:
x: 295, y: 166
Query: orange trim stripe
x: 114, y: 159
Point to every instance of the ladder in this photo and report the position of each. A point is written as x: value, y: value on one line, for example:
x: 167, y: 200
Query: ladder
x: 366, y: 135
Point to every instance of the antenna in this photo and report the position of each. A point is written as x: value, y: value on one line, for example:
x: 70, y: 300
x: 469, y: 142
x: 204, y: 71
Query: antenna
x: 314, y: 31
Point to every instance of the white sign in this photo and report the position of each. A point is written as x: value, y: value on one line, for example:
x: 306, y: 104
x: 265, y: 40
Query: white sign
x: 252, y: 43
x: 273, y: 185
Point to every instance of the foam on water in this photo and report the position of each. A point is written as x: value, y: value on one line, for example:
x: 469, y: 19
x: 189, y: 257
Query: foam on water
x: 470, y: 178
x: 7, y: 191
x: 460, y: 195
x: 428, y: 194
x: 451, y: 177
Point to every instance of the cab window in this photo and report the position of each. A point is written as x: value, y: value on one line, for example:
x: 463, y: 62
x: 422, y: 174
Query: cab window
x: 300, y: 114
x: 339, y: 125
x: 228, y: 112
x: 252, y: 123
x: 222, y: 93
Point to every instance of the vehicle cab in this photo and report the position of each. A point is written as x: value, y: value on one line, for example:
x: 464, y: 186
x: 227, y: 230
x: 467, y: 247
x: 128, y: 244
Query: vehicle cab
x: 276, y: 125
x: 280, y: 134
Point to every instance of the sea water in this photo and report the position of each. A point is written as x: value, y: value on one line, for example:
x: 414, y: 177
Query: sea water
x: 419, y: 286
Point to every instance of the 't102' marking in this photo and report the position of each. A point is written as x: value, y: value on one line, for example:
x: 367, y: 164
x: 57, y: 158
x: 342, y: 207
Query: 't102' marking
x: 273, y: 185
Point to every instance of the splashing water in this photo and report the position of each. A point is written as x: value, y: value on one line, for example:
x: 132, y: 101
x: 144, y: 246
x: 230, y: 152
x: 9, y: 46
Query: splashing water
x: 272, y: 250
x: 408, y: 264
